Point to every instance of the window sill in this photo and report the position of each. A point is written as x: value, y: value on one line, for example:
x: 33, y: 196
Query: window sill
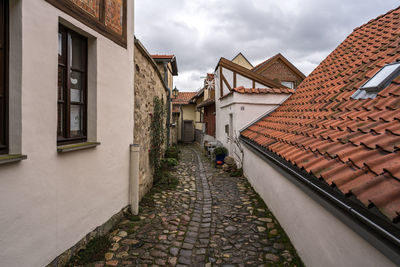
x: 5, y: 159
x: 75, y: 147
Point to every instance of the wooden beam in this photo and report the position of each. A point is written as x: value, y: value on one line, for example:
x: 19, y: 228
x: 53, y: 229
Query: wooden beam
x: 234, y: 79
x: 248, y: 73
x: 226, y: 82
x: 221, y: 91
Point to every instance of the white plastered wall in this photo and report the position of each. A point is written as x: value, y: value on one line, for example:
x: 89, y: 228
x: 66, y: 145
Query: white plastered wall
x: 50, y: 201
x: 318, y: 236
x: 245, y: 108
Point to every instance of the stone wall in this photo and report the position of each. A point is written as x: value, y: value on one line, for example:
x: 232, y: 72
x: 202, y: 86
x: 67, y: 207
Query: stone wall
x: 148, y: 84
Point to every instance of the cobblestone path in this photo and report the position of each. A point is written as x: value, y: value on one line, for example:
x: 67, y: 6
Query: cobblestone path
x: 210, y: 219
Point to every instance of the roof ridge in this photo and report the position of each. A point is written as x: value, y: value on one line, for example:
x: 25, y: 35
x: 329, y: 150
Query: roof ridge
x: 377, y: 18
x: 265, y: 61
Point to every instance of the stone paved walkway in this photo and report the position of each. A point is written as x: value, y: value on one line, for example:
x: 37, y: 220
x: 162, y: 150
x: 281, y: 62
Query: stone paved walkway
x: 210, y: 219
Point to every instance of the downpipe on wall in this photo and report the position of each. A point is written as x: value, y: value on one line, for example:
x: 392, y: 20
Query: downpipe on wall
x: 134, y: 178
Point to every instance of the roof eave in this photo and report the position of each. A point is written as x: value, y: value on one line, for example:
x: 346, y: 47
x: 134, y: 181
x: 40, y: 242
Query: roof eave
x: 385, y: 235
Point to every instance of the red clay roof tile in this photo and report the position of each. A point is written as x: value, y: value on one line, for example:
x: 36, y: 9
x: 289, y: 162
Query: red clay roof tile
x: 353, y: 144
x: 243, y: 90
x: 183, y: 98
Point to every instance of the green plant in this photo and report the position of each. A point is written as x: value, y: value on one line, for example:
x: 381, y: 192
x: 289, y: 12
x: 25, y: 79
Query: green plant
x: 218, y: 151
x: 164, y: 180
x: 237, y: 173
x: 168, y: 163
x: 172, y: 152
x: 94, y: 251
x: 157, y: 133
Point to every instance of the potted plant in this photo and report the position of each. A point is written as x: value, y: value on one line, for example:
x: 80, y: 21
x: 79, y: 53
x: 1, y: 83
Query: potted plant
x: 219, y: 154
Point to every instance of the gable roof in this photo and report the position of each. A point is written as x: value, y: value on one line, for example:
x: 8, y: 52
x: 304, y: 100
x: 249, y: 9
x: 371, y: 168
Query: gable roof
x: 352, y: 145
x: 167, y: 58
x: 183, y: 98
x: 267, y: 63
x: 241, y: 56
x: 223, y: 62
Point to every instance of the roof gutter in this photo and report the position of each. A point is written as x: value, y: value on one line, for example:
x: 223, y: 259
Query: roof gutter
x: 376, y: 234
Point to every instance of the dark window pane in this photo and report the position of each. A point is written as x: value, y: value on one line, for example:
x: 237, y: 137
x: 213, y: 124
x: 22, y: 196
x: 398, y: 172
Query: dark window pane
x: 72, y: 88
x: 61, y: 83
x: 60, y: 120
x: 76, y: 57
x: 76, y: 125
x: 60, y: 47
x: 76, y: 86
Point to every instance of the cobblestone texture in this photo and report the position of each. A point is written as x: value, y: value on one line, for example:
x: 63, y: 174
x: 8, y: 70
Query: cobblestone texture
x: 210, y: 219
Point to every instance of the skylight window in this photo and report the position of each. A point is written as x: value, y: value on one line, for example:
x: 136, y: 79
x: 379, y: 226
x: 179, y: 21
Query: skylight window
x: 378, y: 82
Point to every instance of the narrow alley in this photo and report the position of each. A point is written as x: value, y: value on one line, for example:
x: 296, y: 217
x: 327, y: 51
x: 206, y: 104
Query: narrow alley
x: 210, y: 219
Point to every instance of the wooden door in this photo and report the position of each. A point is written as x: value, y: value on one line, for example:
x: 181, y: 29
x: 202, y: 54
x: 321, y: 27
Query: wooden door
x: 188, y: 131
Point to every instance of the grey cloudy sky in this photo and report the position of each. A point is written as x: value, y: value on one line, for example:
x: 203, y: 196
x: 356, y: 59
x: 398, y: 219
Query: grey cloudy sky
x: 199, y: 32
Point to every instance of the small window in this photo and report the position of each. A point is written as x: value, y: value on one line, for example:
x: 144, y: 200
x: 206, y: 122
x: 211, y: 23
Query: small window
x: 72, y: 87
x: 3, y: 78
x: 382, y: 78
x: 288, y: 84
x: 378, y: 82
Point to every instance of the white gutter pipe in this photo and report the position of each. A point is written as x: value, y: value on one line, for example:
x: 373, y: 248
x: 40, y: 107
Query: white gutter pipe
x: 134, y: 178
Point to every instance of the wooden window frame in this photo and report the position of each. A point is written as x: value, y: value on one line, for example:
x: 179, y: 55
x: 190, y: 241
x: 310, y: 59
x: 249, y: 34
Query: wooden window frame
x: 4, y: 31
x: 65, y: 137
x: 97, y: 24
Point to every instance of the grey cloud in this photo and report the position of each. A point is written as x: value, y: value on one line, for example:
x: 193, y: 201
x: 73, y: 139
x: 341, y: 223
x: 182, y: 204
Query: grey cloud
x: 200, y: 32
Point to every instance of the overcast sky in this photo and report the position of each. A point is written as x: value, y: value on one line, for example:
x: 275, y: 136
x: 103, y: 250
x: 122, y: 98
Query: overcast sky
x: 199, y: 32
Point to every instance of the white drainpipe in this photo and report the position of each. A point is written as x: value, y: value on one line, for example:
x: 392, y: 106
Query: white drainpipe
x: 134, y: 179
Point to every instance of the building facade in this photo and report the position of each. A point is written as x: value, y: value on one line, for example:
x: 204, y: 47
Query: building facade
x: 237, y: 105
x: 185, y: 115
x: 66, y: 121
x: 280, y: 70
x: 149, y: 84
x: 326, y: 161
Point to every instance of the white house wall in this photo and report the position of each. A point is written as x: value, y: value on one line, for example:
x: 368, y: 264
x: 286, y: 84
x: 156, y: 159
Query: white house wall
x: 229, y: 78
x: 319, y: 237
x: 50, y: 201
x: 259, y: 85
x: 245, y: 108
x: 243, y: 81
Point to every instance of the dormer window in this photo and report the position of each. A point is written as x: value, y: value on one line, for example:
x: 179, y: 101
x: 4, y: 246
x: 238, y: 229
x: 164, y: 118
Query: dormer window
x: 378, y: 82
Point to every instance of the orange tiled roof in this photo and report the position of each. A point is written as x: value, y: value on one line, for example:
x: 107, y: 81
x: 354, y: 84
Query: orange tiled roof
x: 282, y: 90
x: 183, y: 97
x: 353, y: 145
x: 162, y: 56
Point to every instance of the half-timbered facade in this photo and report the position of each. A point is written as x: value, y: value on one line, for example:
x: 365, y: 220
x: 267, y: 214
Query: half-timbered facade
x: 242, y: 96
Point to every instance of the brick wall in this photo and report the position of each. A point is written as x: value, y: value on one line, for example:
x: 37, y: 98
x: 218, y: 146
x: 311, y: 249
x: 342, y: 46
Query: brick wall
x: 113, y: 15
x: 90, y: 6
x: 280, y: 72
